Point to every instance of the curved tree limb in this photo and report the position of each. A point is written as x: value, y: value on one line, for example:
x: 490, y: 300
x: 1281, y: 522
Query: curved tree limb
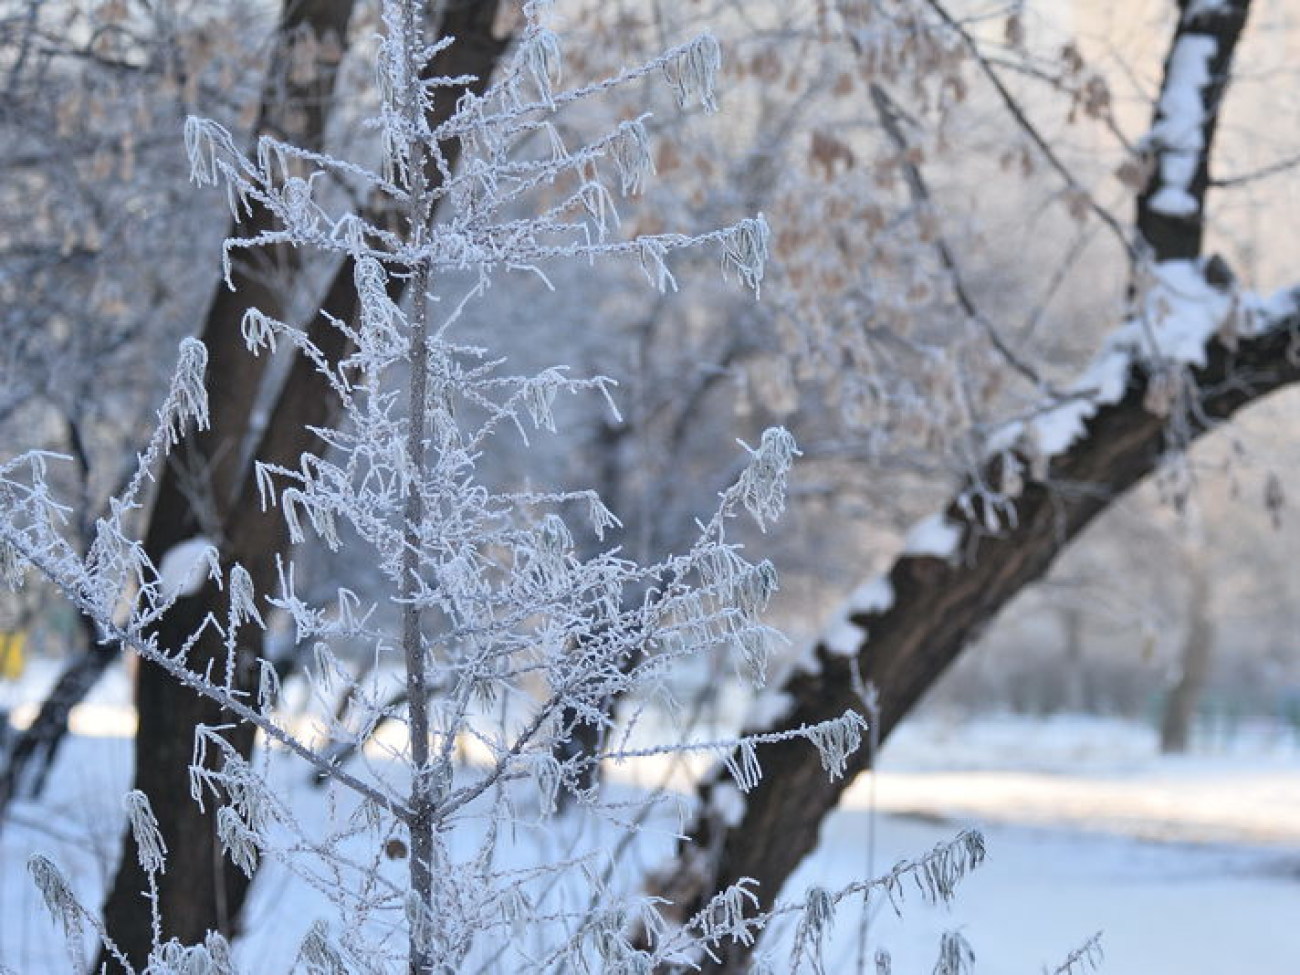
x: 940, y: 607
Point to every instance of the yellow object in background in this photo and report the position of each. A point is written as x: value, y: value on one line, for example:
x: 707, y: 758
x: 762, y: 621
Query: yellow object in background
x: 12, y: 646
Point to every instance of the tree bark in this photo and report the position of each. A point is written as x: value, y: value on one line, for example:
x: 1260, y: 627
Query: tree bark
x: 1180, y: 235
x: 1194, y: 670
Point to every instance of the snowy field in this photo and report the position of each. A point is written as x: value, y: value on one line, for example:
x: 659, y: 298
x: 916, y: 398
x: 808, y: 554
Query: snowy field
x: 1187, y: 865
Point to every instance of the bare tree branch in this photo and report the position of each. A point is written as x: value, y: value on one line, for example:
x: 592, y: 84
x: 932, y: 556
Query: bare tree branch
x: 1022, y: 120
x: 888, y: 113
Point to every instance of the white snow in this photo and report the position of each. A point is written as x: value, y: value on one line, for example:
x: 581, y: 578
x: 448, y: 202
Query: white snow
x: 1096, y: 775
x: 1180, y: 313
x: 804, y: 661
x: 1042, y: 892
x: 1088, y: 828
x: 875, y: 596
x: 1177, y: 135
x: 1198, y: 8
x: 1263, y: 313
x: 185, y: 567
x: 770, y: 707
x: 933, y: 536
x: 1172, y: 199
x: 103, y: 712
x: 1071, y: 808
x: 1103, y: 382
x: 1005, y: 437
x: 1054, y: 430
x: 1107, y: 375
x: 843, y: 637
x: 728, y: 803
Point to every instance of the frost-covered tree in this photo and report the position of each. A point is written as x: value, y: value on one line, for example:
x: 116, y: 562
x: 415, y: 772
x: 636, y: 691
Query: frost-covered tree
x: 197, y: 61
x: 502, y: 637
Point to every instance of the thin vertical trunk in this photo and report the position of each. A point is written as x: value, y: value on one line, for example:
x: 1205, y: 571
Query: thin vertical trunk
x: 420, y: 955
x: 1198, y: 644
x: 417, y: 678
x: 1073, y: 696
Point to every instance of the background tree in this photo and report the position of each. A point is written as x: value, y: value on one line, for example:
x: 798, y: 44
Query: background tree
x: 91, y: 109
x: 1179, y: 365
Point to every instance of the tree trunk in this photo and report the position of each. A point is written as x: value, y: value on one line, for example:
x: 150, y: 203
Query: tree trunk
x: 1198, y: 642
x: 33, y: 752
x: 1074, y: 696
x: 938, y: 608
x: 197, y: 495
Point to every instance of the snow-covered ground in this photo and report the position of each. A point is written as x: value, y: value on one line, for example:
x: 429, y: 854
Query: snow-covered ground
x: 1095, y: 775
x: 1187, y: 865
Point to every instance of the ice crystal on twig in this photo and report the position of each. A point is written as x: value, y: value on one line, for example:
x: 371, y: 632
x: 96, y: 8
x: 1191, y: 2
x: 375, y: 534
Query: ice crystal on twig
x: 188, y: 399
x: 1085, y: 958
x: 694, y: 72
x: 762, y: 485
x: 150, y: 847
x: 60, y: 902
x: 956, y: 957
x: 744, y: 252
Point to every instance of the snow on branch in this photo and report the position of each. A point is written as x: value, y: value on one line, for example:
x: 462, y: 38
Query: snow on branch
x: 1178, y: 137
x: 1179, y: 142
x: 1178, y: 317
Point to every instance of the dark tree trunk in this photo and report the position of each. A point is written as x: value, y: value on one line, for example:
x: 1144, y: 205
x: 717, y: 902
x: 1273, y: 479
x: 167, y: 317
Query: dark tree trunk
x: 197, y: 495
x: 939, y: 607
x: 1194, y: 662
x: 33, y: 752
x: 1181, y: 235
